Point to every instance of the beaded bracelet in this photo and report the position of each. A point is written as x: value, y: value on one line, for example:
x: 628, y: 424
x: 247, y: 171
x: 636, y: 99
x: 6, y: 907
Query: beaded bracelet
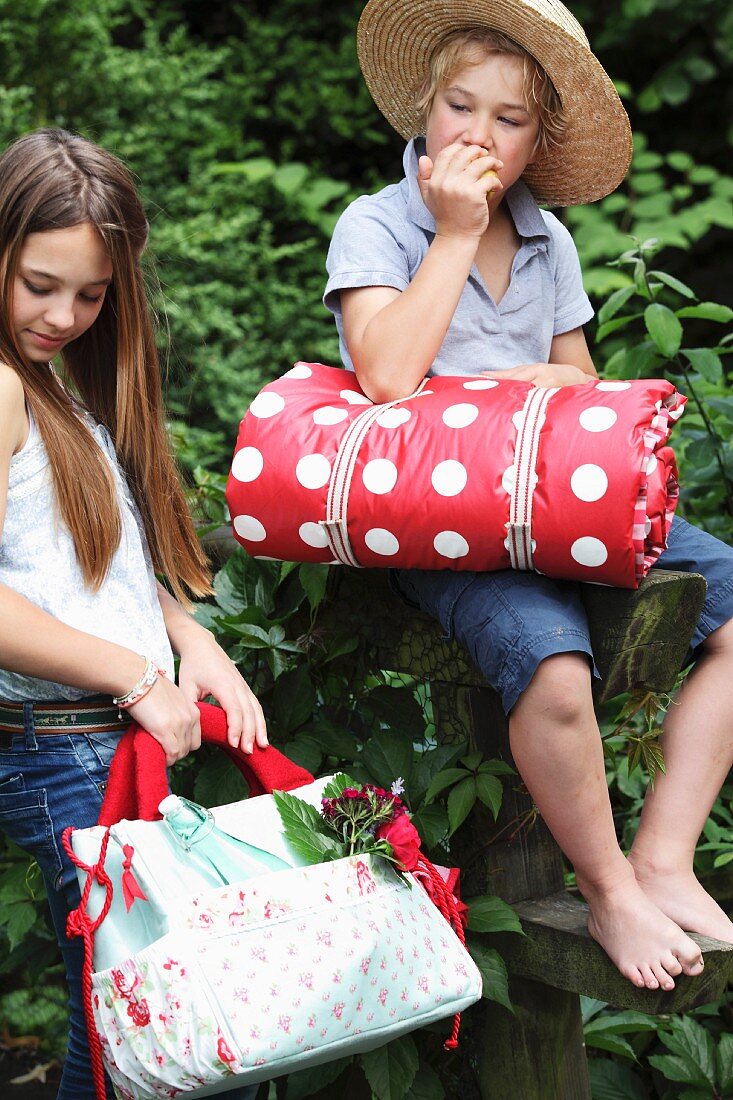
x: 140, y: 689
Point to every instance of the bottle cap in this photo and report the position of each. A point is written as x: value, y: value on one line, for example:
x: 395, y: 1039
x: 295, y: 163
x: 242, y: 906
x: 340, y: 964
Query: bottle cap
x: 170, y: 804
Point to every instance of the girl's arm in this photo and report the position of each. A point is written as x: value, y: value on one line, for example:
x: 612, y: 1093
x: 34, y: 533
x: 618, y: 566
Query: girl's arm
x: 205, y: 669
x: 570, y: 364
x: 394, y: 336
x: 34, y: 643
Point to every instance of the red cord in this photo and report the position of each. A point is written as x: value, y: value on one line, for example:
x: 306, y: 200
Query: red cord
x: 446, y: 903
x: 79, y: 923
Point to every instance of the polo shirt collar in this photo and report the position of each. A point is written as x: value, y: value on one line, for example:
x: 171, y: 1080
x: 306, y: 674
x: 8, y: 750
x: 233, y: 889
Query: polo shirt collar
x: 522, y: 206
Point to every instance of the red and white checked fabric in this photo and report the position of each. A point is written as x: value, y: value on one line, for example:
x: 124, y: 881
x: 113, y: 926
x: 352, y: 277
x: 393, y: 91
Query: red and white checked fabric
x: 466, y: 473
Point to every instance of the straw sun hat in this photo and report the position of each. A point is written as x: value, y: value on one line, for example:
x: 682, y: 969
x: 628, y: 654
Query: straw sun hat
x: 396, y: 39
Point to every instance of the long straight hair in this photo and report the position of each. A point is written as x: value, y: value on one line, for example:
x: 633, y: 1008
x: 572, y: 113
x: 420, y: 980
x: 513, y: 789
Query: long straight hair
x: 51, y: 179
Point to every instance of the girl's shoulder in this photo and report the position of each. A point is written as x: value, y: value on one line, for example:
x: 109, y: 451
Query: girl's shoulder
x: 13, y: 415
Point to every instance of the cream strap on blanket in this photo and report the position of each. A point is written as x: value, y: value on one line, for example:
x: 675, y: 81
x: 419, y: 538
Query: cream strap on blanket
x: 519, y: 529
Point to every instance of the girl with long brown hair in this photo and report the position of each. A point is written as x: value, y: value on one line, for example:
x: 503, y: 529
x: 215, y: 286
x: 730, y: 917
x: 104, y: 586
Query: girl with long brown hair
x: 91, y: 508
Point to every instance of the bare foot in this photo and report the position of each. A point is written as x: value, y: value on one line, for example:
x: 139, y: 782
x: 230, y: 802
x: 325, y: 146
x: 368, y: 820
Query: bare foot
x: 681, y: 898
x: 647, y: 947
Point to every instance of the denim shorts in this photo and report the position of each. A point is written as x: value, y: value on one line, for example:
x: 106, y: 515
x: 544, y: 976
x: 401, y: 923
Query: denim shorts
x: 510, y: 621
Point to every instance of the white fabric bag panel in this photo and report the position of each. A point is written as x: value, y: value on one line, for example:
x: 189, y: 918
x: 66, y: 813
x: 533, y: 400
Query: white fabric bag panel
x: 287, y: 970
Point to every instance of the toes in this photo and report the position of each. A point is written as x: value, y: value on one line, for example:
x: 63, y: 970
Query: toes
x: 662, y: 976
x: 650, y: 980
x: 691, y: 961
x: 672, y: 964
x: 635, y: 976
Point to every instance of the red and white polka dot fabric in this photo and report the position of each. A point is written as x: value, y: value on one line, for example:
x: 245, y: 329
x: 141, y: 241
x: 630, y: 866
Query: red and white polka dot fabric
x: 467, y: 473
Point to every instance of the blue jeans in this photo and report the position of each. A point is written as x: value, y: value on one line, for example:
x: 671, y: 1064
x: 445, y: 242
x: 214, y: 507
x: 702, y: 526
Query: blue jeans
x: 46, y: 784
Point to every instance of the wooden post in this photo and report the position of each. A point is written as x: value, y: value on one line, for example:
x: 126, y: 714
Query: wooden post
x: 538, y: 1053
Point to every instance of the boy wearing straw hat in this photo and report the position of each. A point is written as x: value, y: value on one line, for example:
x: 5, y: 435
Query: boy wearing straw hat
x: 456, y: 270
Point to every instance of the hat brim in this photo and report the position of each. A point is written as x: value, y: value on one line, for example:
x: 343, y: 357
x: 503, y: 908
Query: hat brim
x: 396, y: 38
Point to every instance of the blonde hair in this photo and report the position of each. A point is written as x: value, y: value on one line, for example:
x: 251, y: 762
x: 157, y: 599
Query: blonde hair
x: 461, y: 47
x: 49, y: 180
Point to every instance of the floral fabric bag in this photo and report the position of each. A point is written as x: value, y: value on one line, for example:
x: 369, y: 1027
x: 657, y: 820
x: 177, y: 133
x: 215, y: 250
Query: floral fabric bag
x: 238, y: 983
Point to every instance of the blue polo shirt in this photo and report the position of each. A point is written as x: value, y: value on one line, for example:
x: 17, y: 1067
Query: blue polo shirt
x: 381, y: 240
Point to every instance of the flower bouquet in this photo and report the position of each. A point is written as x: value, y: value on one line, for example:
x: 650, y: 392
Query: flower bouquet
x: 353, y: 820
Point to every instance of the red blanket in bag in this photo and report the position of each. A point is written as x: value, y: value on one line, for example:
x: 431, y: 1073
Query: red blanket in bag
x: 466, y: 473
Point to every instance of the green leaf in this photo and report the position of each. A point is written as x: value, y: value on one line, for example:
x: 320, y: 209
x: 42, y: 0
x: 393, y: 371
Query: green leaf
x: 391, y: 1069
x: 615, y: 324
x: 490, y: 791
x: 301, y: 827
x: 338, y: 785
x: 693, y: 1045
x: 487, y: 913
x: 621, y: 1023
x: 447, y: 778
x: 724, y: 1062
x: 307, y: 1082
x: 664, y: 328
x: 493, y: 973
x: 705, y: 362
x: 218, y: 781
x: 460, y: 802
x: 614, y: 1081
x: 18, y: 919
x: 294, y: 699
x: 496, y: 767
x: 618, y: 299
x: 426, y: 1086
x: 432, y: 824
x: 314, y: 578
x: 675, y: 284
x: 677, y: 1069
x: 387, y: 756
x: 613, y: 1043
x: 398, y: 707
x: 708, y: 311
x: 426, y: 767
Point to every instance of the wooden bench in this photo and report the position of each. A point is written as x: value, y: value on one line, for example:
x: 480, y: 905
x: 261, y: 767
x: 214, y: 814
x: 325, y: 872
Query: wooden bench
x: 640, y: 640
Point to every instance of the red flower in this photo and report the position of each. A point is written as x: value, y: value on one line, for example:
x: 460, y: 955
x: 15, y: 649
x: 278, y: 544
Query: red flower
x: 405, y: 841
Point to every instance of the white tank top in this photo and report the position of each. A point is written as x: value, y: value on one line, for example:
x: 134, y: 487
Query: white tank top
x: 37, y: 559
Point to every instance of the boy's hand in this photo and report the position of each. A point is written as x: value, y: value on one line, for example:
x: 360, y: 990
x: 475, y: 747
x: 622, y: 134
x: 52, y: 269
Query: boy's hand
x: 544, y: 374
x: 456, y: 188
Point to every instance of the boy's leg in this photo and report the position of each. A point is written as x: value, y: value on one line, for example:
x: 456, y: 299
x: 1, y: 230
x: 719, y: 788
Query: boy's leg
x: 698, y: 748
x: 529, y: 637
x: 557, y: 748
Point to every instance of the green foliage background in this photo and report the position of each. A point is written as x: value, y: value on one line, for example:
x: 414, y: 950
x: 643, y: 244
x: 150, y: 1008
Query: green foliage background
x: 249, y: 128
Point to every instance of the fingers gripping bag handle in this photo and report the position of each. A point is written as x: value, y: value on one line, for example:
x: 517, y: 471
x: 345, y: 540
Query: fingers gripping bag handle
x: 137, y: 777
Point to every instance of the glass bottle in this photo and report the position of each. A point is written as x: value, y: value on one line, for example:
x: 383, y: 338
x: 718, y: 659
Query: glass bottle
x: 221, y: 857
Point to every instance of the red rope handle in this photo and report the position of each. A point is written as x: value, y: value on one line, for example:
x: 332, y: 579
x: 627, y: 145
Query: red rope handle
x: 79, y: 923
x: 443, y: 898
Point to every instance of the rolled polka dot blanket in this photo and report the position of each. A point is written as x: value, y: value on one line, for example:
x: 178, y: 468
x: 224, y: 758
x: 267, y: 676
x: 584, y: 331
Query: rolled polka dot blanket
x: 466, y: 473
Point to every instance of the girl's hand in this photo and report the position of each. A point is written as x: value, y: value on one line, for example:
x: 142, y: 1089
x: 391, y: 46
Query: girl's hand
x: 456, y: 186
x: 171, y: 718
x: 206, y: 669
x: 544, y: 374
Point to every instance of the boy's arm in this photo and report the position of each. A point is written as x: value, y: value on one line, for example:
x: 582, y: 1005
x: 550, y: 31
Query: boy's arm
x: 394, y: 336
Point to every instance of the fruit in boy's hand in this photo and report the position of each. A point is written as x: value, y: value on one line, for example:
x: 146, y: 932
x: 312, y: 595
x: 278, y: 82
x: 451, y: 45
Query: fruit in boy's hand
x: 490, y: 172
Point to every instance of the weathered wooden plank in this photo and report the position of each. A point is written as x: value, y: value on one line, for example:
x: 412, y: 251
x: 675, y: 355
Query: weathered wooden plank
x: 537, y: 1053
x: 640, y: 637
x: 558, y: 951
